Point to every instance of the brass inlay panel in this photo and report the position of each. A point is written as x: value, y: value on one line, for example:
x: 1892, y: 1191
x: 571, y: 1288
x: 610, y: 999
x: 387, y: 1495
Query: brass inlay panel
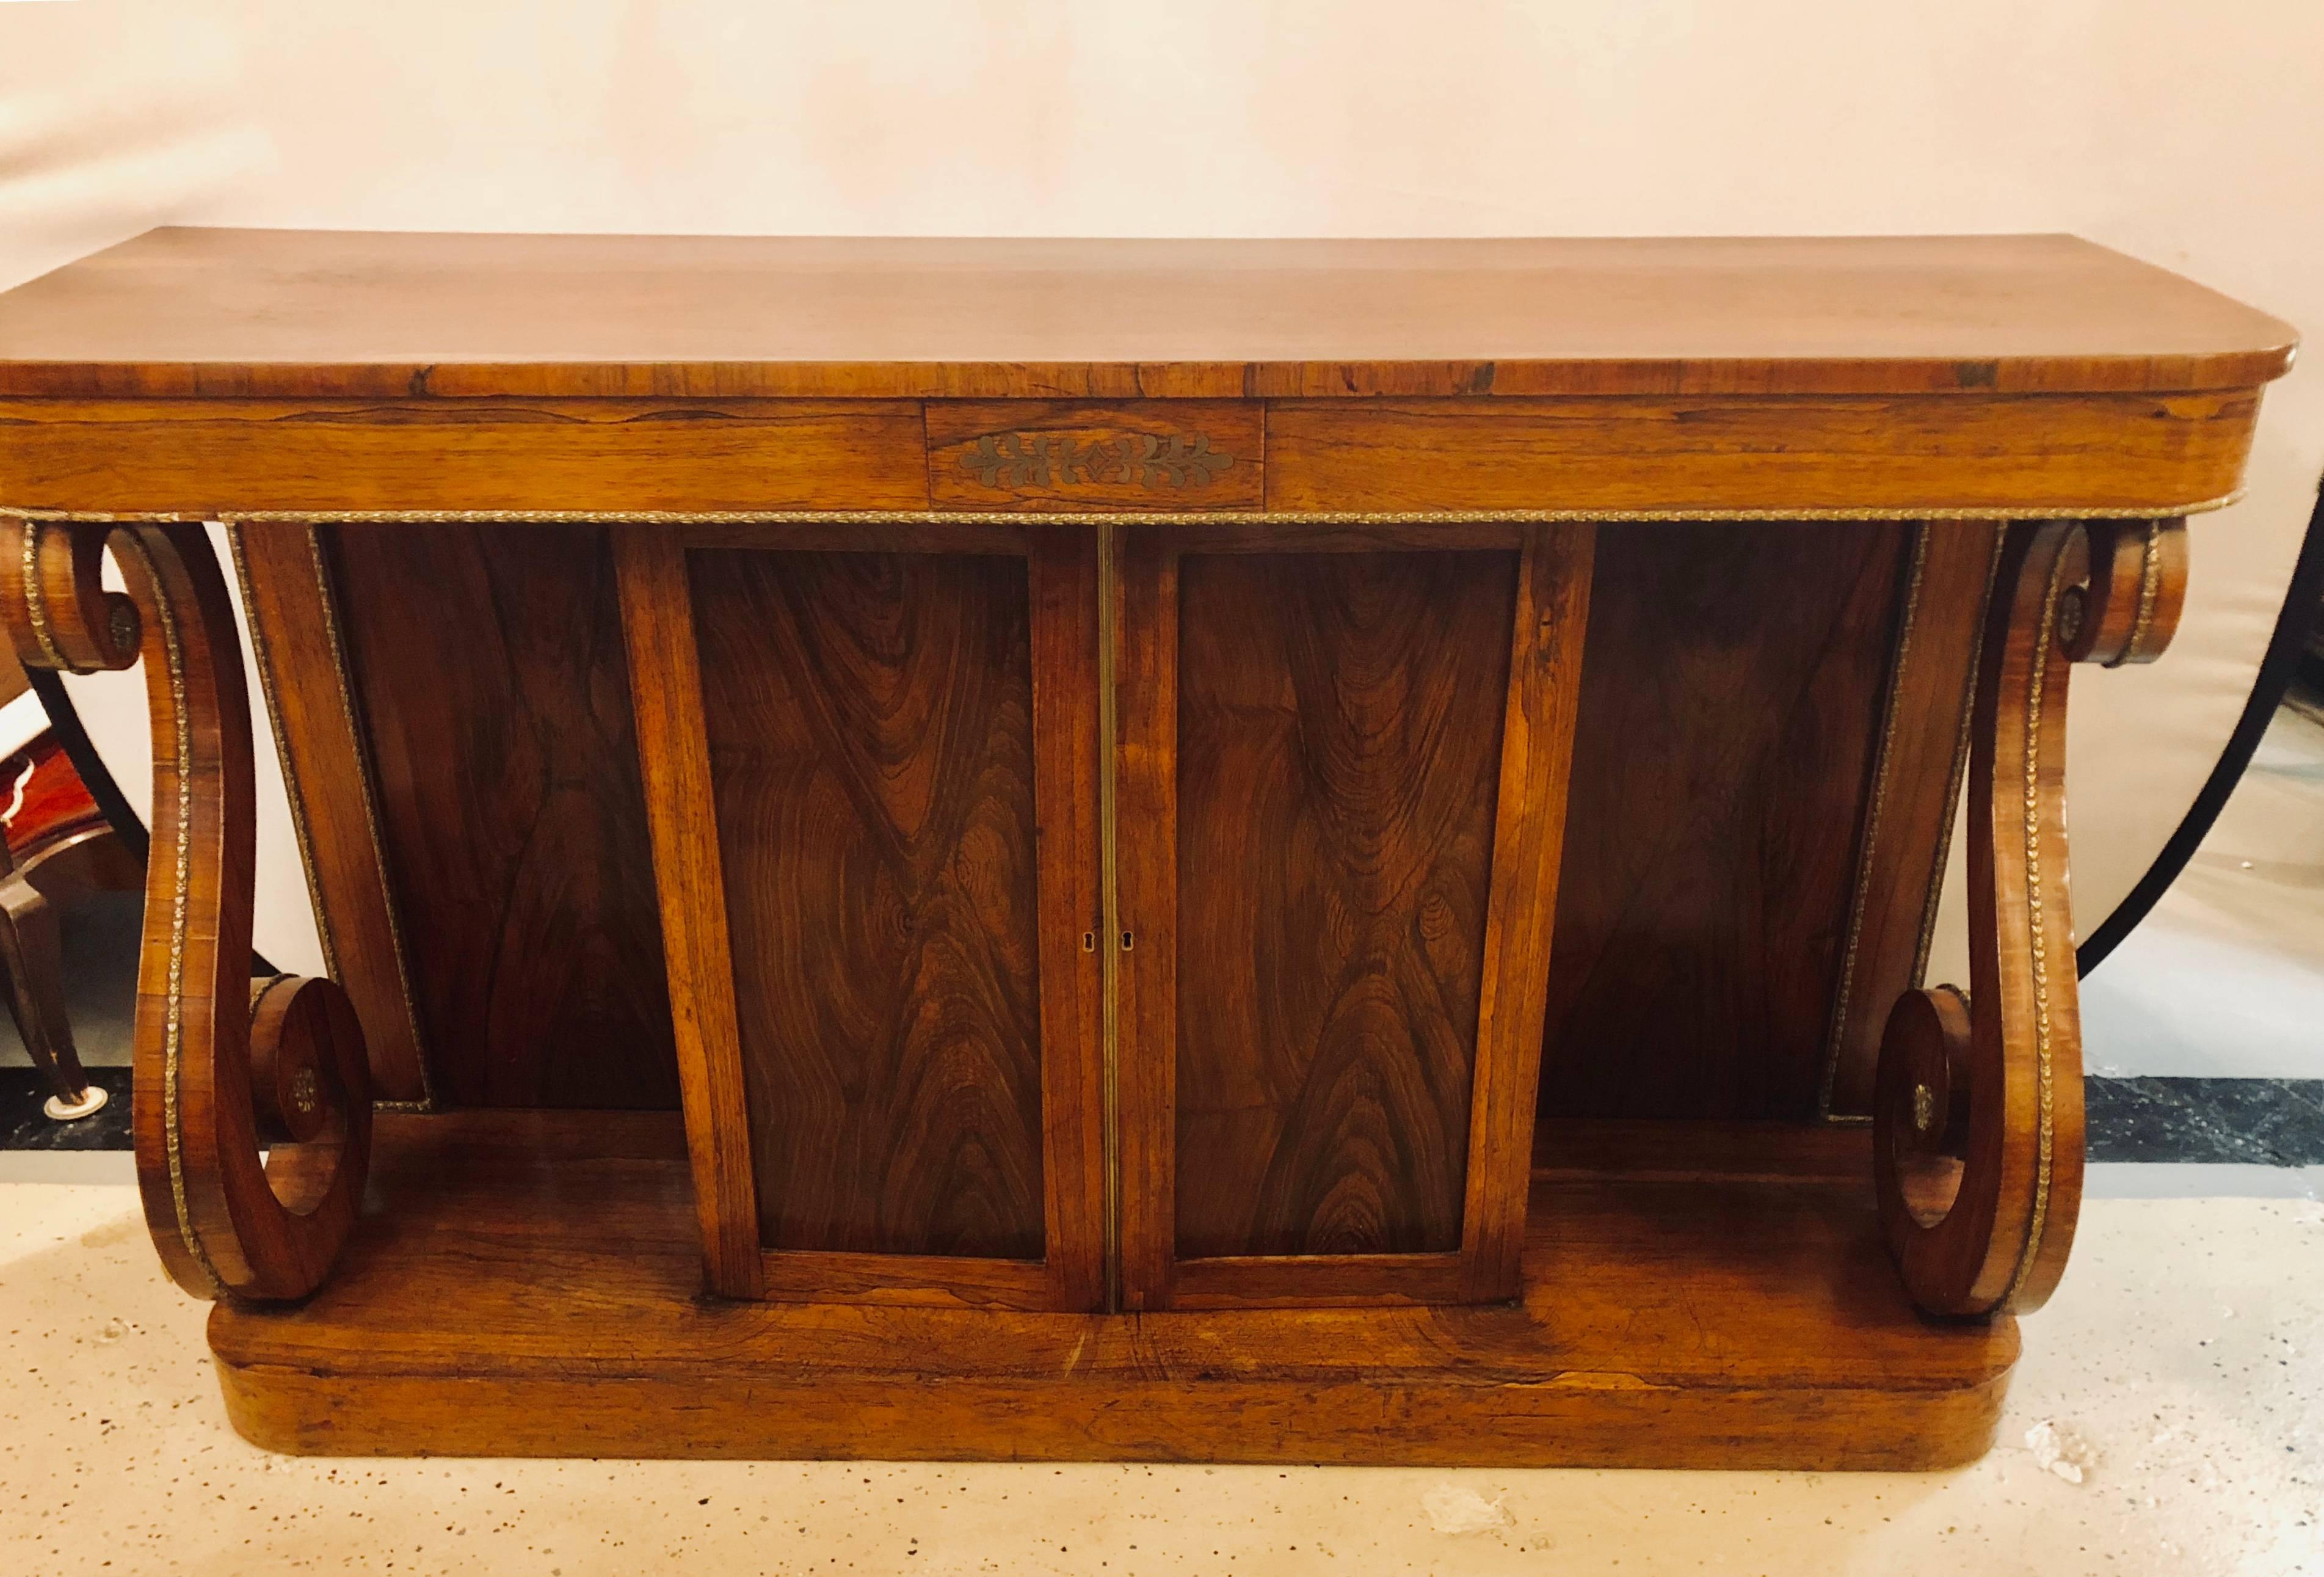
x: 1031, y: 459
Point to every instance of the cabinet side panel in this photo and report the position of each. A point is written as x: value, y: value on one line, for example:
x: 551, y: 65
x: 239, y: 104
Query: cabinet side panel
x: 869, y: 720
x: 1731, y: 693
x: 488, y: 667
x: 1339, y: 750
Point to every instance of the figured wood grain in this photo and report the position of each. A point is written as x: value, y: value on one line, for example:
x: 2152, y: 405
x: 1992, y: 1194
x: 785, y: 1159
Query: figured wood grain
x: 1144, y: 638
x: 1064, y: 589
x: 1536, y: 753
x: 347, y: 314
x: 232, y: 457
x: 869, y: 719
x: 1909, y: 819
x: 1731, y: 702
x: 489, y: 673
x: 527, y: 1287
x: 811, y: 535
x: 1732, y: 452
x: 1142, y: 455
x: 666, y: 686
x: 326, y: 768
x: 1279, y: 1281
x: 1339, y: 739
x: 941, y: 1281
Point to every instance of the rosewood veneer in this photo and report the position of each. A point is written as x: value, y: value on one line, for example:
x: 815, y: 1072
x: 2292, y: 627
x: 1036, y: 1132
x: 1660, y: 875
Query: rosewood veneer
x: 1238, y: 851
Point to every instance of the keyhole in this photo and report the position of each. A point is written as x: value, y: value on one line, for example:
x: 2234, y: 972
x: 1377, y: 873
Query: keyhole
x: 1089, y: 941
x: 1126, y: 942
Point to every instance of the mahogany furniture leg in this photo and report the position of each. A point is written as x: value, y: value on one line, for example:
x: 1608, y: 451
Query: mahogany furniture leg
x: 222, y: 1069
x: 1978, y: 1113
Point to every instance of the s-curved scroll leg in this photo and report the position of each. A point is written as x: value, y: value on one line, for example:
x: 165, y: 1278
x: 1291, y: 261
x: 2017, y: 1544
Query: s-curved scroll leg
x: 221, y: 1072
x: 1978, y: 1107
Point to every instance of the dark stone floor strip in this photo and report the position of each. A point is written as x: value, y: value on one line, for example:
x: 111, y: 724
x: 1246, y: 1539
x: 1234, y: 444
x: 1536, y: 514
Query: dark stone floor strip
x: 2266, y: 1122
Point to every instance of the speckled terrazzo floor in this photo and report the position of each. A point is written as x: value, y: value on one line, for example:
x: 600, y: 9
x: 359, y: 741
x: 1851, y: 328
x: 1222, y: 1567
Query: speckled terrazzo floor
x: 2179, y: 1374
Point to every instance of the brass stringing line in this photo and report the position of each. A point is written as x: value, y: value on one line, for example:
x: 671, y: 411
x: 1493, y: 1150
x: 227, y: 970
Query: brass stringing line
x: 2032, y: 809
x: 1880, y: 767
x: 1108, y: 572
x: 1129, y: 517
x: 36, y: 597
x: 1959, y: 771
x: 263, y: 659
x: 427, y: 1102
x: 2150, y: 586
x: 180, y: 889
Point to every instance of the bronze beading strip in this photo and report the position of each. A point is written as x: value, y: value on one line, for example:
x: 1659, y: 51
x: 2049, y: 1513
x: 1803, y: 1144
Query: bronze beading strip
x: 1883, y: 761
x: 427, y: 1102
x: 263, y: 659
x: 2150, y: 589
x: 1130, y: 517
x: 2031, y: 816
x: 36, y: 595
x: 1958, y: 775
x: 181, y: 898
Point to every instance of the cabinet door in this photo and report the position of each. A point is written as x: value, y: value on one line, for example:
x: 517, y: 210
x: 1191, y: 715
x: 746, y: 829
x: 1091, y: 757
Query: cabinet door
x: 871, y: 780
x: 1340, y: 801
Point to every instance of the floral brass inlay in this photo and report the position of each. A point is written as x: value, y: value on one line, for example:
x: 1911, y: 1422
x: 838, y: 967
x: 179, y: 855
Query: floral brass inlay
x: 1016, y: 459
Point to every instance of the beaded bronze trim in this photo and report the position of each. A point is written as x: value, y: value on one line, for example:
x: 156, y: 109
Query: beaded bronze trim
x: 1883, y: 759
x: 2150, y: 589
x: 2038, y: 941
x: 181, y: 898
x: 264, y: 660
x: 36, y: 597
x: 329, y: 605
x: 1131, y: 517
x: 1959, y: 773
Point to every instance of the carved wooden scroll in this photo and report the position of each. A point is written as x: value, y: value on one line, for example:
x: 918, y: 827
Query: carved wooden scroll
x: 223, y: 1066
x: 1978, y: 1110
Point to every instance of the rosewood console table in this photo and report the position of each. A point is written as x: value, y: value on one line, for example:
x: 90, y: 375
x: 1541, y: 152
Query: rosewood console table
x: 1260, y: 852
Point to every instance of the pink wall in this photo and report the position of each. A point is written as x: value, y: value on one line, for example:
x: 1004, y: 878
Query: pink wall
x: 2186, y: 134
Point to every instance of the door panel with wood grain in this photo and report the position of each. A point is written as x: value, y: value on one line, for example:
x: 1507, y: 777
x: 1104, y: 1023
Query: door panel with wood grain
x: 892, y: 810
x: 869, y: 721
x: 1339, y: 740
x: 1312, y: 793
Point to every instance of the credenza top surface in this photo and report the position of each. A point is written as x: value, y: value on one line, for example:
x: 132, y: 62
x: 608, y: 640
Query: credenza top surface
x: 284, y: 313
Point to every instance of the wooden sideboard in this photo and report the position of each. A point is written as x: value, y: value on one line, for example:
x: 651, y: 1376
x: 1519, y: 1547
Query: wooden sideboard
x: 1271, y: 851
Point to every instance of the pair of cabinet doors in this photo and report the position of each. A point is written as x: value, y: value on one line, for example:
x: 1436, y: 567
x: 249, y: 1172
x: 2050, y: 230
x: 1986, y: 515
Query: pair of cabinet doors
x: 1135, y: 916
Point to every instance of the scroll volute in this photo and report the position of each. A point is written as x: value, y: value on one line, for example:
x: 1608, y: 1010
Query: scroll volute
x: 1978, y: 1108
x: 220, y: 1071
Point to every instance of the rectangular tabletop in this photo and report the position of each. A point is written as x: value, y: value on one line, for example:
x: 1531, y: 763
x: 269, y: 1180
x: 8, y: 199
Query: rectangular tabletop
x: 295, y: 313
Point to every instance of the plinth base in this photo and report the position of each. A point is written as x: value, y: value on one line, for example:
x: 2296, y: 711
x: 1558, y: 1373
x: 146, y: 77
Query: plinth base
x: 528, y: 1284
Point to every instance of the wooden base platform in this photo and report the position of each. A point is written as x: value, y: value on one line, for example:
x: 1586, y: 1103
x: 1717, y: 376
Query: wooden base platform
x: 528, y: 1284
